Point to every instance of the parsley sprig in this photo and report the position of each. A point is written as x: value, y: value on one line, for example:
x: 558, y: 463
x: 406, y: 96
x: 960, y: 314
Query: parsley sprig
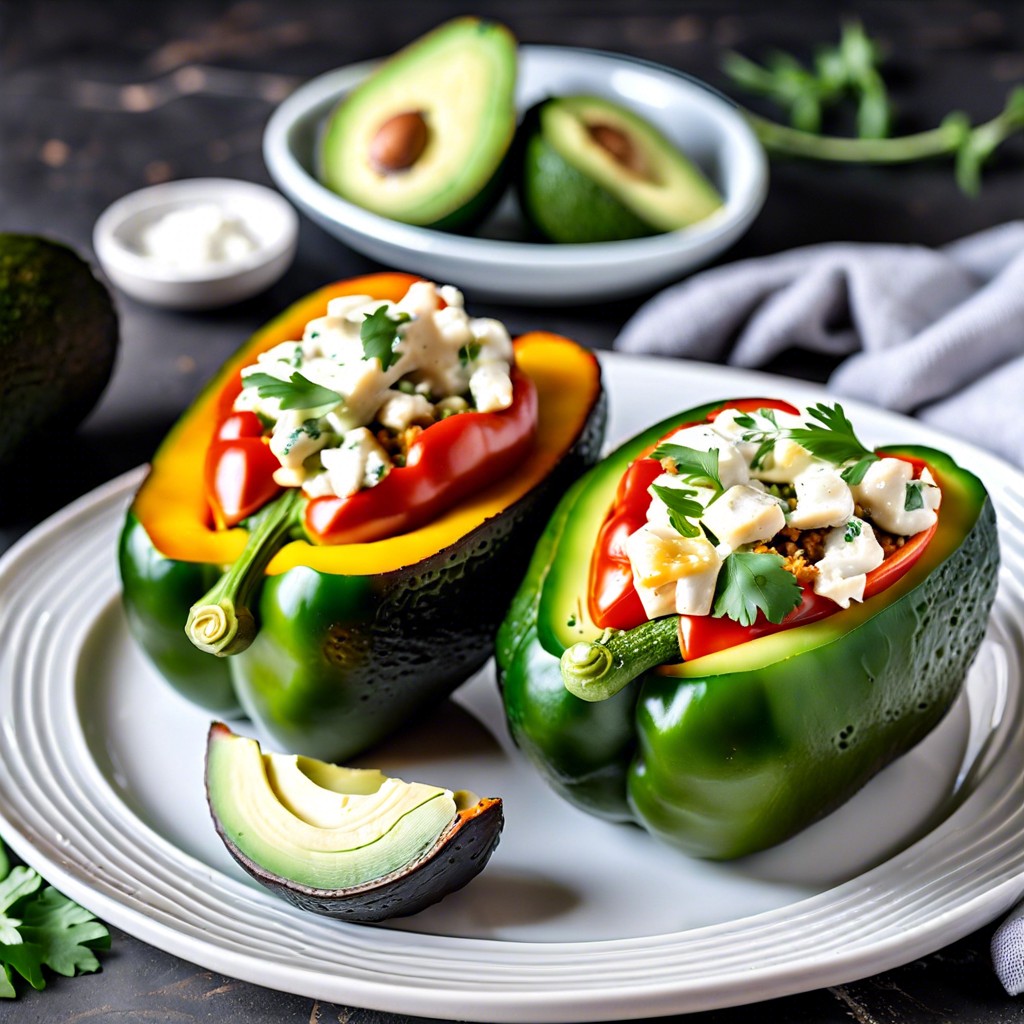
x: 749, y: 583
x: 41, y: 928
x: 851, y: 70
x: 379, y: 335
x: 683, y: 509
x: 298, y: 392
x: 693, y: 465
x: 831, y: 438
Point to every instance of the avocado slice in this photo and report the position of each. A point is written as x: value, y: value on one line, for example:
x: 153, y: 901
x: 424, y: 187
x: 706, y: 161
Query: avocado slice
x: 346, y: 842
x: 594, y: 171
x: 58, y: 339
x: 423, y: 140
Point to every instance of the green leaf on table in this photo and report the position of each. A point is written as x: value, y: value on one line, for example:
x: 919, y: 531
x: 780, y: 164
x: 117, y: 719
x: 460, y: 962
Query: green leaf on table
x: 749, y: 583
x: 66, y: 933
x: 379, y: 335
x: 42, y: 929
x: 297, y: 392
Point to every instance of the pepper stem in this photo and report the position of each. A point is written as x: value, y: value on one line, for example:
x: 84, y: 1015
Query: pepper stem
x: 598, y: 669
x: 221, y: 622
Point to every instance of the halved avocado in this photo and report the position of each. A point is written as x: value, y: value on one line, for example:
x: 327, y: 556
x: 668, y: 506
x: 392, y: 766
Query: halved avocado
x: 594, y: 171
x: 424, y: 138
x: 350, y: 843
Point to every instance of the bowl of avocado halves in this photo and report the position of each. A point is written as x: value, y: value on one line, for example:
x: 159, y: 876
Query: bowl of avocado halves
x: 527, y: 173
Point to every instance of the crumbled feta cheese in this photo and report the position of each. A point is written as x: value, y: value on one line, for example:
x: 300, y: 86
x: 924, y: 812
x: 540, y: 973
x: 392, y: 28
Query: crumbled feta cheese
x: 851, y: 551
x: 744, y: 515
x: 673, y: 573
x: 295, y: 438
x: 883, y: 494
x: 357, y: 463
x: 491, y: 387
x: 823, y: 498
x: 400, y: 411
x: 732, y: 466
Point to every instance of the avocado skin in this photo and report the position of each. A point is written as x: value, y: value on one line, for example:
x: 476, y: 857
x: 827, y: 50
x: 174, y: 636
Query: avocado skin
x: 457, y: 857
x: 58, y: 338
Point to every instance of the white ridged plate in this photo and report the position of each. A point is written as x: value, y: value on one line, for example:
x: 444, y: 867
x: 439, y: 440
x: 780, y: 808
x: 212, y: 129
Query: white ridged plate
x: 574, y: 919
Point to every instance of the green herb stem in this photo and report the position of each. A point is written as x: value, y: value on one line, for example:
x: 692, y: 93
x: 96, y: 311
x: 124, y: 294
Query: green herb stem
x: 783, y: 140
x: 221, y: 621
x: 596, y: 670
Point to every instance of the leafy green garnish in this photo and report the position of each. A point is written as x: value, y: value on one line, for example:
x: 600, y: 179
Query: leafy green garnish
x: 851, y: 70
x: 469, y: 352
x: 853, y: 529
x: 379, y: 335
x: 764, y: 438
x: 42, y: 929
x: 692, y: 464
x: 683, y: 511
x: 914, y: 499
x: 832, y: 440
x: 749, y: 582
x: 297, y: 392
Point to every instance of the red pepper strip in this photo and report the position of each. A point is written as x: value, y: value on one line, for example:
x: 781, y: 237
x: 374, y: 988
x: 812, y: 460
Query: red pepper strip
x: 239, y: 470
x: 612, y: 599
x: 614, y: 602
x: 451, y: 459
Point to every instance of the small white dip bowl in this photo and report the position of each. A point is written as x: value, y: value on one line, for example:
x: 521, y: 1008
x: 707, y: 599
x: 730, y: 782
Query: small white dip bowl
x: 268, y: 218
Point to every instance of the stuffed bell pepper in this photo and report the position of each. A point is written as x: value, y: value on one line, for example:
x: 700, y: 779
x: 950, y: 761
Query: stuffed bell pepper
x: 740, y: 616
x: 329, y: 537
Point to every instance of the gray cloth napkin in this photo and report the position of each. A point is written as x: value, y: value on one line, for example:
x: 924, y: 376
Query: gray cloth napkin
x: 936, y: 333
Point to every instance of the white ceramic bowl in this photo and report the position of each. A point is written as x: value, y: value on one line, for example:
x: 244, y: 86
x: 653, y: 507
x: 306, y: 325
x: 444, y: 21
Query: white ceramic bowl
x: 703, y: 123
x: 269, y: 218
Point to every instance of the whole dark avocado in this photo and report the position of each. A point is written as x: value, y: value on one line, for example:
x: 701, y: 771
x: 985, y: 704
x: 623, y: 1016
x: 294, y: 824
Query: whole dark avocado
x: 58, y: 338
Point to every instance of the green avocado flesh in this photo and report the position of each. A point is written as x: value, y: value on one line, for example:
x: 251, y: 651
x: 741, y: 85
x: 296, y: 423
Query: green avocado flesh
x: 593, y: 171
x: 58, y: 339
x: 316, y: 824
x: 456, y: 85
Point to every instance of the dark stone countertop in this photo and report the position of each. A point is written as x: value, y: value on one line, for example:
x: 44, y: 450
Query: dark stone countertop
x: 97, y: 100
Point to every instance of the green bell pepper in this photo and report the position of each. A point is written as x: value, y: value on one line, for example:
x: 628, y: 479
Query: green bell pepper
x: 331, y: 647
x: 740, y: 749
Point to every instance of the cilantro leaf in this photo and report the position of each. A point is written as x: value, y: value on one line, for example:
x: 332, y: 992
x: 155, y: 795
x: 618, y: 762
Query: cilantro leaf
x: 692, y: 464
x: 42, y: 929
x: 749, y: 583
x: 297, y: 392
x: 832, y: 437
x: 379, y: 335
x: 66, y: 933
x: 469, y: 352
x: 855, y: 473
x: 914, y: 499
x: 682, y: 509
x: 853, y: 530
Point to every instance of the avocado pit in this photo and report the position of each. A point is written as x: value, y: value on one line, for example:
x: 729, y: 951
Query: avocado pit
x: 621, y: 148
x: 399, y: 142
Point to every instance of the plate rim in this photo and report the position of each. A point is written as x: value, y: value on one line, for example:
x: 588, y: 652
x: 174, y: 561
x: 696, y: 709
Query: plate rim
x: 751, y: 984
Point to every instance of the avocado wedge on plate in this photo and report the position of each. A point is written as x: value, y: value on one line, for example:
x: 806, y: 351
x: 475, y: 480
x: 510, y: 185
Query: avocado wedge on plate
x: 593, y: 171
x: 423, y: 140
x: 350, y: 843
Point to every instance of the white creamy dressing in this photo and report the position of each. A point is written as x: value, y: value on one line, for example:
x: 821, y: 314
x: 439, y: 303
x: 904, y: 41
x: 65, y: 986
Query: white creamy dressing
x: 195, y: 238
x: 673, y: 574
x: 446, y: 363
